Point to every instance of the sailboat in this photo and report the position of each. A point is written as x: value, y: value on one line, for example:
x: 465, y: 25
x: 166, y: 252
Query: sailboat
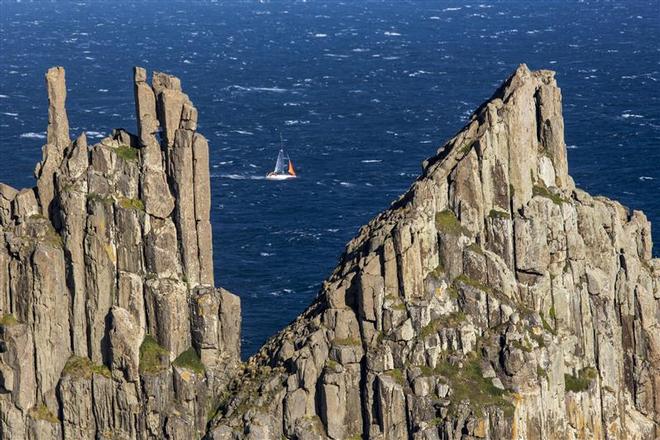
x: 283, y: 167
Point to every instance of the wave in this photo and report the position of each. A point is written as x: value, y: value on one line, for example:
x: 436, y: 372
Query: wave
x: 392, y: 34
x: 372, y: 161
x: 9, y: 114
x: 256, y: 89
x: 32, y: 135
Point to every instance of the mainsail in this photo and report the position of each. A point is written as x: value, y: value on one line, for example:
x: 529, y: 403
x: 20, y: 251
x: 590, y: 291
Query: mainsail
x: 280, y: 167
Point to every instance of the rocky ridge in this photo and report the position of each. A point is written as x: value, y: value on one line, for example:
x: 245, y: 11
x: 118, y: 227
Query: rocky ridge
x: 110, y: 324
x: 492, y: 300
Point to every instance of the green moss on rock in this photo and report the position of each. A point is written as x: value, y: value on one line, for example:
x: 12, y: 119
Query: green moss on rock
x: 83, y: 367
x: 127, y: 153
x: 8, y: 319
x: 42, y: 412
x: 135, y: 204
x: 397, y: 375
x: 153, y: 357
x: 446, y: 221
x: 468, y: 384
x: 190, y: 361
x: 346, y: 341
x: 496, y: 213
x: 542, y: 191
x: 583, y: 380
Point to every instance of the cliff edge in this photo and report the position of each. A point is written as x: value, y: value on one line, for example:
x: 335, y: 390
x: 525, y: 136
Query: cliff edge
x: 110, y: 326
x: 493, y: 300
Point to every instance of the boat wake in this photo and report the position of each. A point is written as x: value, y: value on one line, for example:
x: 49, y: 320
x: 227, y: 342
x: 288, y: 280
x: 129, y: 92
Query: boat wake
x: 241, y: 177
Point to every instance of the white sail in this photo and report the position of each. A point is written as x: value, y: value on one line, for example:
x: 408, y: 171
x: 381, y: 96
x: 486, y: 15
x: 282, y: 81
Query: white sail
x: 280, y: 166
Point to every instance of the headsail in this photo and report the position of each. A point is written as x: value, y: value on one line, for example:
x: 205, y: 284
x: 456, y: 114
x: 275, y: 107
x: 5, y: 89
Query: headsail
x: 280, y: 167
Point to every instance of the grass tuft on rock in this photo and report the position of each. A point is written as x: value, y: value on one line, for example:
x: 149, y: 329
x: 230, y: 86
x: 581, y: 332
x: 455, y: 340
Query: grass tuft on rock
x: 347, y: 341
x: 153, y: 357
x: 468, y: 384
x: 190, y: 361
x: 496, y: 213
x: 446, y: 221
x: 542, y: 191
x: 127, y: 153
x: 135, y: 204
x: 582, y: 382
x: 451, y: 320
x: 83, y: 367
x: 42, y: 412
x: 8, y: 319
x: 464, y: 279
x: 397, y: 375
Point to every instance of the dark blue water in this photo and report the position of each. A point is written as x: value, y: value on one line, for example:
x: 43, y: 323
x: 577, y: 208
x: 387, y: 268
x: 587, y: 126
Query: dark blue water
x: 361, y: 91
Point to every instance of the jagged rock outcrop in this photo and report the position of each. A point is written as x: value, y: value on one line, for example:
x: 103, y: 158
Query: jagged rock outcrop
x: 110, y: 326
x: 493, y: 300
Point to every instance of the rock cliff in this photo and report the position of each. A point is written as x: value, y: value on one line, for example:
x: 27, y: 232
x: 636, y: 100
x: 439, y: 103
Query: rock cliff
x: 110, y: 324
x: 493, y: 300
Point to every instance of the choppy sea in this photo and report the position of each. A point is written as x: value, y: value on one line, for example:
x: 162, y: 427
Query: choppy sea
x: 361, y: 91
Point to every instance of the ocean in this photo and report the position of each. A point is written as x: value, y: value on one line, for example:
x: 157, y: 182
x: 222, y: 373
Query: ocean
x: 361, y: 92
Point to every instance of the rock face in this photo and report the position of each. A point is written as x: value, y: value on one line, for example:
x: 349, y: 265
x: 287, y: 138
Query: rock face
x: 107, y: 301
x: 493, y: 300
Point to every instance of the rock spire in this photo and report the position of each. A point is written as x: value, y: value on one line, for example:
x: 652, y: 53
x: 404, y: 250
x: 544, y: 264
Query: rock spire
x: 110, y: 326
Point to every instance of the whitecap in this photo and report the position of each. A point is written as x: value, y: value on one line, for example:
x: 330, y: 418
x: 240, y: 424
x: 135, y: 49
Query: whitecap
x: 94, y: 134
x: 571, y: 147
x: 103, y: 90
x: 644, y: 178
x: 451, y: 9
x: 346, y: 184
x: 434, y: 17
x: 320, y: 35
x: 9, y: 114
x: 630, y: 115
x: 4, y: 96
x: 296, y: 122
x: 32, y: 135
x: 265, y: 254
x: 392, y: 34
x: 418, y: 73
x: 244, y: 132
x: 371, y: 161
x: 256, y: 89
